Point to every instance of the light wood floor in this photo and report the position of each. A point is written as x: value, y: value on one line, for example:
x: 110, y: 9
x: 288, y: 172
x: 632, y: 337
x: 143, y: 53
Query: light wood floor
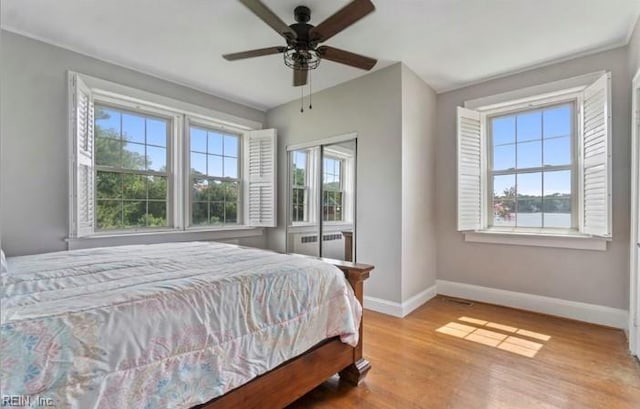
x: 414, y: 366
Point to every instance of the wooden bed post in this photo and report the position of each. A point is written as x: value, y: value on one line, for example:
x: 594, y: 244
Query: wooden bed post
x: 356, y: 274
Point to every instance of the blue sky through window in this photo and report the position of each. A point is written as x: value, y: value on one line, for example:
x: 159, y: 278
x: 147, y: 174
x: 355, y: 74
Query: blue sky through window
x: 142, y: 135
x: 133, y: 128
x: 156, y: 158
x: 111, y: 122
x: 299, y: 160
x: 198, y: 140
x: 533, y: 139
x: 214, y: 153
x: 156, y: 132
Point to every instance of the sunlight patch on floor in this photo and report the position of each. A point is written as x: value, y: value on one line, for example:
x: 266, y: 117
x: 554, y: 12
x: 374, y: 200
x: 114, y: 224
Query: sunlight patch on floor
x: 473, y: 320
x: 532, y: 334
x: 484, y: 336
x: 501, y: 327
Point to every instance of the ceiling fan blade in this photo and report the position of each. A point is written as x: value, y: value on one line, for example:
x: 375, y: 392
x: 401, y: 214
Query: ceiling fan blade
x: 254, y: 53
x: 342, y: 19
x: 346, y: 57
x: 265, y: 14
x: 300, y: 76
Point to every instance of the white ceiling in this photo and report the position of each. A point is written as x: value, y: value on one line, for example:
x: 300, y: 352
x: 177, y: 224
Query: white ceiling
x: 449, y: 43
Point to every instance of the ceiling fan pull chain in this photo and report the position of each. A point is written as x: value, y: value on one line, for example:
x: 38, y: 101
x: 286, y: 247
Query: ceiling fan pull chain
x: 301, y: 99
x: 310, y: 91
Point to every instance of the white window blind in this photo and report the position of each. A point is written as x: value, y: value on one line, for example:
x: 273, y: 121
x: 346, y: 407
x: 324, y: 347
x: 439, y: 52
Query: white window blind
x: 82, y: 123
x: 469, y: 170
x: 261, y: 148
x: 596, y: 158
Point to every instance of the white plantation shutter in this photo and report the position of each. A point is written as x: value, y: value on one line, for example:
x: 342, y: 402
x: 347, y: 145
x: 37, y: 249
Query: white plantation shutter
x: 596, y: 158
x: 469, y: 170
x: 83, y: 169
x: 260, y: 154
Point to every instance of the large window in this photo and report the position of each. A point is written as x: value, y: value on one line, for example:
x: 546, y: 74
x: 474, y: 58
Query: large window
x: 332, y: 190
x: 532, y: 167
x: 215, y: 176
x: 131, y: 169
x: 141, y: 162
x: 539, y: 163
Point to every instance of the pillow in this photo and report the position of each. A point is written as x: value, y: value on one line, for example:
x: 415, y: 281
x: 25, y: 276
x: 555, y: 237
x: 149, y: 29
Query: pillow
x: 3, y: 262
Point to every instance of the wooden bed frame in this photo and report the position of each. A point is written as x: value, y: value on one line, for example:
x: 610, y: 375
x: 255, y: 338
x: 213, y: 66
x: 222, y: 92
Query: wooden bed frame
x: 291, y: 380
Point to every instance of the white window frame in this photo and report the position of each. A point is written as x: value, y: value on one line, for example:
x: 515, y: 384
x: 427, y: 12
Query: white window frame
x: 575, y: 101
x: 570, y: 90
x: 173, y: 221
x: 180, y: 113
x: 212, y: 125
x: 341, y: 184
x: 345, y: 186
x: 307, y: 196
x: 311, y: 181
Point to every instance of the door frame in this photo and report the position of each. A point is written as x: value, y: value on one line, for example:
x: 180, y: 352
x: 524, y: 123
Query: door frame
x: 320, y: 144
x: 634, y: 273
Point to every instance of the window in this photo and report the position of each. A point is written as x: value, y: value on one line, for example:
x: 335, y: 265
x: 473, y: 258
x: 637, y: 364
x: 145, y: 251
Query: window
x: 531, y: 168
x: 538, y: 164
x: 322, y: 185
x: 332, y: 190
x: 299, y: 187
x: 215, y: 176
x: 143, y: 162
x: 131, y: 169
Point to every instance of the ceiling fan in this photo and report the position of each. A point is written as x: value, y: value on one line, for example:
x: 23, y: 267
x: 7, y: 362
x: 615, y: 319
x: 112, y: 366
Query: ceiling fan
x: 302, y: 52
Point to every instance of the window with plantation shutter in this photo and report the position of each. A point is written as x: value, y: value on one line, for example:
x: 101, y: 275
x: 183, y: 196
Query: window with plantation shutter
x: 82, y: 123
x: 145, y: 163
x: 260, y: 165
x: 469, y: 170
x: 596, y: 158
x: 537, y: 162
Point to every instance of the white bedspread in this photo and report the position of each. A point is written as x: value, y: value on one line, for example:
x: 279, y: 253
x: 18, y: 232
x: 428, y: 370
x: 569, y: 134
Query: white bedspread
x: 161, y: 326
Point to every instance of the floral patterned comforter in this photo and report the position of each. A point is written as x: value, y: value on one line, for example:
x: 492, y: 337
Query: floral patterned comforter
x: 161, y: 326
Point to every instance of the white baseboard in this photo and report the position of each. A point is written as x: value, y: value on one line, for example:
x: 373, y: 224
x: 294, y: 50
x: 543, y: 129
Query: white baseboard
x: 383, y: 306
x: 596, y: 314
x: 418, y: 300
x: 397, y: 309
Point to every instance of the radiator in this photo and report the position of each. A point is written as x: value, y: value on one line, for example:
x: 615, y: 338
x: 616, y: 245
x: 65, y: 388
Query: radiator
x: 332, y: 245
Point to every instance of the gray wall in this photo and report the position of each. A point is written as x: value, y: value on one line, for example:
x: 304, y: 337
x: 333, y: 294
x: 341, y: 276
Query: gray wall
x: 34, y: 163
x: 634, y: 50
x: 370, y: 106
x: 418, y: 185
x: 588, y: 276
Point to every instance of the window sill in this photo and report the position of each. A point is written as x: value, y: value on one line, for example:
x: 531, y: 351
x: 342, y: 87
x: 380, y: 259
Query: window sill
x: 313, y: 227
x: 302, y: 224
x: 337, y: 226
x: 165, y: 235
x: 565, y: 240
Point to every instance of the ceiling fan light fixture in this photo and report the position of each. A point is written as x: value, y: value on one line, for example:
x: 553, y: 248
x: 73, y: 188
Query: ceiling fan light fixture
x: 301, y: 59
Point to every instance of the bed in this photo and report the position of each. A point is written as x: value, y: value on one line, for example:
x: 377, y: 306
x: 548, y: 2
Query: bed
x: 177, y: 325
